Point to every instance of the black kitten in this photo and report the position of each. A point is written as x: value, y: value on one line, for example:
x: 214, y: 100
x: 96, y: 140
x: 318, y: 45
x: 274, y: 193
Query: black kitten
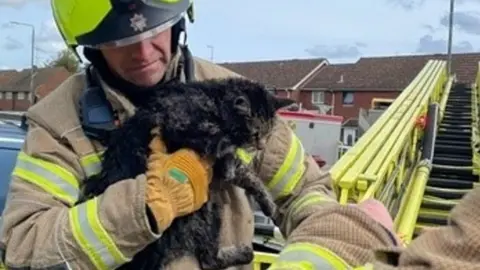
x: 214, y: 118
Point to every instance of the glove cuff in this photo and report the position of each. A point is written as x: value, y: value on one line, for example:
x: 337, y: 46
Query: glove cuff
x: 160, y: 202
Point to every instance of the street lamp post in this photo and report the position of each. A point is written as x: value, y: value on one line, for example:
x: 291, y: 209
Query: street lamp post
x: 450, y: 35
x: 32, y: 59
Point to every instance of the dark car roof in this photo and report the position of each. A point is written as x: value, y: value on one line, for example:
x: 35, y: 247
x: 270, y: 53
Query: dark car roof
x: 11, y: 141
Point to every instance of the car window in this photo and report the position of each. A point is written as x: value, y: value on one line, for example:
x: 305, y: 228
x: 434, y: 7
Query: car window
x: 8, y: 159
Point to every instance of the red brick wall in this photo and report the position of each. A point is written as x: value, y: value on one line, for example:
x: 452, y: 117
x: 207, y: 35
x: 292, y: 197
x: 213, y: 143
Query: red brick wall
x: 21, y: 105
x: 52, y: 83
x: 14, y: 104
x: 281, y: 93
x: 361, y: 99
x: 42, y: 90
x: 6, y: 105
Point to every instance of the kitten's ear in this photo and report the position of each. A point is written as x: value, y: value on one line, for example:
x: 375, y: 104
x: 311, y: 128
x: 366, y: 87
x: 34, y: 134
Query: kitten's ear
x: 242, y: 106
x: 281, y: 102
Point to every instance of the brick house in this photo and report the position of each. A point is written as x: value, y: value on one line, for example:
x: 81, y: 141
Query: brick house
x: 15, y: 86
x: 345, y: 88
x: 288, y: 77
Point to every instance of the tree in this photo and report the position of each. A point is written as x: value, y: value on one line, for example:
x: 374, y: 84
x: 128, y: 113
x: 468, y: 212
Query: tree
x: 67, y: 59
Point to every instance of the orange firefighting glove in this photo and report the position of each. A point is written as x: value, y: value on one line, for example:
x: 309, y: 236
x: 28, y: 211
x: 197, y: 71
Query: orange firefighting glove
x: 177, y: 183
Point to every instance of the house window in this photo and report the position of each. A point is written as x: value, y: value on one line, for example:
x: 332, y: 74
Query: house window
x: 318, y: 97
x: 20, y: 96
x: 8, y: 95
x: 347, y: 98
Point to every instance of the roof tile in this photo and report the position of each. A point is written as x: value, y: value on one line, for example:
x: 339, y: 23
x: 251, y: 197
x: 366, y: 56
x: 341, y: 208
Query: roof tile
x: 19, y: 81
x: 275, y: 73
x: 390, y: 73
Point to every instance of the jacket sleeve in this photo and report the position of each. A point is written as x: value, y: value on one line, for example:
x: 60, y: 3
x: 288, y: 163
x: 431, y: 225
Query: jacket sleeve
x: 44, y: 228
x: 308, y: 214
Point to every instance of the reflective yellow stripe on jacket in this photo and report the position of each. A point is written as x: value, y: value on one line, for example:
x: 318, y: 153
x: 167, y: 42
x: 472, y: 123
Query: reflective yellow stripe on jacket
x: 49, y: 176
x: 291, y: 171
x: 311, y: 198
x: 367, y: 266
x: 92, y: 236
x: 84, y: 221
x: 244, y: 155
x: 301, y: 203
x: 91, y: 164
x: 306, y: 256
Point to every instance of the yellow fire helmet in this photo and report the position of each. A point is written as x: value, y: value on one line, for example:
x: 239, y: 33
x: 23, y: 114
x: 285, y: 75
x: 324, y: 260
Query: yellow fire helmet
x: 114, y: 23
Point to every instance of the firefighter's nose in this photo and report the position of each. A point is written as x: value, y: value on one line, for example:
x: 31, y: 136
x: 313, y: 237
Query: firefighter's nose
x: 142, y: 50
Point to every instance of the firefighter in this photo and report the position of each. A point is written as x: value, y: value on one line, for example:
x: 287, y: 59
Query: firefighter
x: 134, y: 46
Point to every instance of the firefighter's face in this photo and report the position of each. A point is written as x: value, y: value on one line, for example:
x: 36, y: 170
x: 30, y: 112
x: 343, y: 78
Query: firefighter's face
x: 143, y: 63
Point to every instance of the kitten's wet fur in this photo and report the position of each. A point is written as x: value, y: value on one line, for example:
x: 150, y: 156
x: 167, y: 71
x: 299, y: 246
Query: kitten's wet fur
x: 214, y: 118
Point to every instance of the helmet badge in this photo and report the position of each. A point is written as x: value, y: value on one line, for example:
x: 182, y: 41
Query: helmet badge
x: 138, y: 22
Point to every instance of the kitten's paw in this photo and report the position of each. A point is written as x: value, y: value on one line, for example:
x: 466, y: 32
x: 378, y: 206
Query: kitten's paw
x: 230, y: 173
x: 224, y: 148
x: 230, y: 256
x: 268, y: 207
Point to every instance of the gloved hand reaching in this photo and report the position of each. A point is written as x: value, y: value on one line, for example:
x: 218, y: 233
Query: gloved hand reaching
x: 377, y: 211
x: 177, y: 183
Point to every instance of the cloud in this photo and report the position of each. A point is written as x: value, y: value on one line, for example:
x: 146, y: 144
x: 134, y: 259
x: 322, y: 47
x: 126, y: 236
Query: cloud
x: 18, y: 3
x: 49, y: 32
x: 12, y: 3
x: 468, y: 22
x: 429, y: 28
x: 11, y: 44
x: 361, y: 44
x: 48, y: 40
x: 337, y: 52
x: 427, y: 44
x: 407, y: 4
x: 410, y: 5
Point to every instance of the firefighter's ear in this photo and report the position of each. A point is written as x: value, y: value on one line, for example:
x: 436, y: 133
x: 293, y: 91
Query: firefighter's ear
x: 280, y: 103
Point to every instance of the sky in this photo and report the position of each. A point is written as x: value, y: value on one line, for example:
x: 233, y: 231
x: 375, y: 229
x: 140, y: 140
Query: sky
x: 252, y: 30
